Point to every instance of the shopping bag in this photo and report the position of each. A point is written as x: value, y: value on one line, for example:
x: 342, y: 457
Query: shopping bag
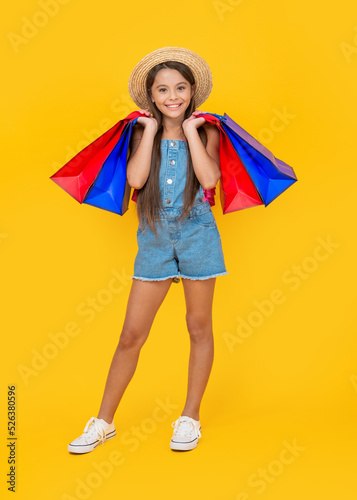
x: 237, y: 190
x: 79, y: 175
x: 269, y: 175
x: 111, y: 191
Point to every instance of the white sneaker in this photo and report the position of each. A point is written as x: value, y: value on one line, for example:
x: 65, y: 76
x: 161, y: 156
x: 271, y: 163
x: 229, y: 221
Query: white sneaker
x: 95, y: 432
x: 186, y: 434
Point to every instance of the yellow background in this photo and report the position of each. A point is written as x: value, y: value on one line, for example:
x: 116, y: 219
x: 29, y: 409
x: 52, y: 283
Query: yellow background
x: 292, y: 381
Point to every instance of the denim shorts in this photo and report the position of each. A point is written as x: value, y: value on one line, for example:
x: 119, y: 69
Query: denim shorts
x: 190, y: 248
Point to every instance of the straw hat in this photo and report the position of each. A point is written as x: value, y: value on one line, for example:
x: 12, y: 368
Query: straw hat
x: 200, y: 69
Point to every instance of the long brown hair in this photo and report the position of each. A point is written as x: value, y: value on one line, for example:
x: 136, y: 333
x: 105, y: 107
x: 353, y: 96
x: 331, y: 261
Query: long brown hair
x: 149, y: 203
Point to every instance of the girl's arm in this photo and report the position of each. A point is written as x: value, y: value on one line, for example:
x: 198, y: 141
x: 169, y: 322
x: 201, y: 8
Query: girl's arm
x: 138, y: 165
x: 205, y: 160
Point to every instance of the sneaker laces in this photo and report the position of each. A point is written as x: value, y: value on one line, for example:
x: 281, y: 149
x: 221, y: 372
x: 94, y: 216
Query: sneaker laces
x: 184, y: 426
x: 94, y: 429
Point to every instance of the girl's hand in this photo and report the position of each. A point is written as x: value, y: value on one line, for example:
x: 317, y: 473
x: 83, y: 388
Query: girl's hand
x: 193, y: 121
x: 147, y: 119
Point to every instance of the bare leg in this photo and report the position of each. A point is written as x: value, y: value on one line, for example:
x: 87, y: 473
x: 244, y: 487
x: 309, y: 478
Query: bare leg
x: 144, y: 301
x: 199, y: 299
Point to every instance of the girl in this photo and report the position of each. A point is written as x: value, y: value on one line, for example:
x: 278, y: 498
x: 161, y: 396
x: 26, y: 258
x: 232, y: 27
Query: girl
x: 173, y: 167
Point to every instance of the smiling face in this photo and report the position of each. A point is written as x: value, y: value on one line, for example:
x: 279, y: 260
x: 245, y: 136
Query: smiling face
x: 171, y: 92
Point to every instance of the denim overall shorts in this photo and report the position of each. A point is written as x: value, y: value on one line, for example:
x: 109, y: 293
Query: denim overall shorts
x: 190, y: 248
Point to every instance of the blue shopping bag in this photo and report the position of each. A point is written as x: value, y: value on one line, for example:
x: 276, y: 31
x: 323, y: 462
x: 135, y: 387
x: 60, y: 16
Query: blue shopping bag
x: 270, y: 176
x: 111, y: 190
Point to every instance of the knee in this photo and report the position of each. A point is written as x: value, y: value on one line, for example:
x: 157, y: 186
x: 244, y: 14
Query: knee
x: 199, y: 326
x: 132, y: 338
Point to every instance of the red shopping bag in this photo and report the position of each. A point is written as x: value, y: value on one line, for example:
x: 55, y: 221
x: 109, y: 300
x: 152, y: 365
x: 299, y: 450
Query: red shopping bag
x: 78, y: 175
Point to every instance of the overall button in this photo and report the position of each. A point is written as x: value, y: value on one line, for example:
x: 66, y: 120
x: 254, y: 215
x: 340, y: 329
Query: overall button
x: 172, y: 162
x: 169, y: 181
x: 168, y: 201
x: 173, y: 143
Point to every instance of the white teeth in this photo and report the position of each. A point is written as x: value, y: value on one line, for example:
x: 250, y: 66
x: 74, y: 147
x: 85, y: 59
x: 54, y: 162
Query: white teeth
x: 174, y: 106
